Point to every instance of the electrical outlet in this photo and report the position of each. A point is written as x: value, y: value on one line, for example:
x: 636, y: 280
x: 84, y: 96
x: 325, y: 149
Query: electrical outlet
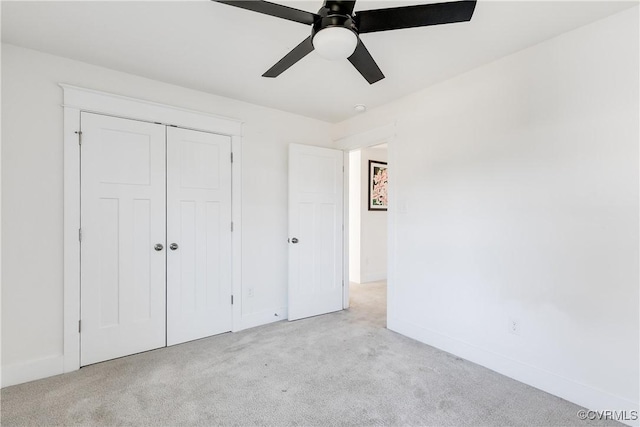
x: 250, y: 293
x: 514, y: 326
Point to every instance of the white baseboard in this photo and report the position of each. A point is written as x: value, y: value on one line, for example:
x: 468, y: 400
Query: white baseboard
x: 261, y: 318
x: 584, y: 395
x: 22, y: 372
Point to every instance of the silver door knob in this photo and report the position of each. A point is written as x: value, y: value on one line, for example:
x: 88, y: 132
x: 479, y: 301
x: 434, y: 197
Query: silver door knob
x: 158, y: 247
x: 294, y: 240
x: 173, y: 246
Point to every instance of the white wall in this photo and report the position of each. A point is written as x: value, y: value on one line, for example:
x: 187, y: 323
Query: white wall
x: 373, y: 225
x: 32, y: 178
x: 518, y: 188
x: 355, y: 209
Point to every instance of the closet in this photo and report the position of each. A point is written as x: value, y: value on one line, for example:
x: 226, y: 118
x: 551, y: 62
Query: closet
x: 155, y: 251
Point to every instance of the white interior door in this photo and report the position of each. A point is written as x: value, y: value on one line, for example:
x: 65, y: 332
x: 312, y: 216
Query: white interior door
x: 198, y: 234
x: 315, y: 230
x: 122, y: 220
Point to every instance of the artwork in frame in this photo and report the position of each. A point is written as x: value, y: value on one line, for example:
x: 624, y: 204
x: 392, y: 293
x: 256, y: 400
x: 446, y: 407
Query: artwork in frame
x: 377, y: 186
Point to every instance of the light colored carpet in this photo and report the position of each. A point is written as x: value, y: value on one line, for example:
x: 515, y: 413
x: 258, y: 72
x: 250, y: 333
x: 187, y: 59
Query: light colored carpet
x: 343, y: 368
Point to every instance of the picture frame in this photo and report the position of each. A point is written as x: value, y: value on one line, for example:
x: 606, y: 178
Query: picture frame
x: 378, y: 185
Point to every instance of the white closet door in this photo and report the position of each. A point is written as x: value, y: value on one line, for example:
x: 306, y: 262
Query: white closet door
x: 199, y: 235
x: 315, y: 230
x: 123, y: 219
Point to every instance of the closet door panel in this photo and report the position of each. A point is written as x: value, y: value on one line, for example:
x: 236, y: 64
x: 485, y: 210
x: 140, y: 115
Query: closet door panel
x: 199, y: 231
x: 123, y: 211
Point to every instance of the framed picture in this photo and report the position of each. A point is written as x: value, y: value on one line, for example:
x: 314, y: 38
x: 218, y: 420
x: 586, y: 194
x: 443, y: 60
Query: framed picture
x: 377, y: 186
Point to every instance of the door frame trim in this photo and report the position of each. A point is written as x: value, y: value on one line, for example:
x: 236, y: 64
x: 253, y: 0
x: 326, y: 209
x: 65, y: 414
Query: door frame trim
x: 376, y: 136
x: 77, y: 100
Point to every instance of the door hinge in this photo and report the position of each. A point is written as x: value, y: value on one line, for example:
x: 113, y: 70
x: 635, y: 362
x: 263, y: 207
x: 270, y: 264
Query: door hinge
x: 80, y: 234
x: 232, y: 157
x: 79, y: 326
x: 79, y: 133
x: 232, y: 226
x: 231, y: 299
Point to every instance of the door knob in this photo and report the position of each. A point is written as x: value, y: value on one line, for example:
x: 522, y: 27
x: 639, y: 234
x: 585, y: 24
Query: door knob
x: 294, y: 240
x: 158, y: 247
x: 173, y: 246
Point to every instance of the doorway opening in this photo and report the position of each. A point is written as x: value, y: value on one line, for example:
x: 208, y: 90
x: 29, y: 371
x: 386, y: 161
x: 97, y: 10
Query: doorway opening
x: 367, y: 219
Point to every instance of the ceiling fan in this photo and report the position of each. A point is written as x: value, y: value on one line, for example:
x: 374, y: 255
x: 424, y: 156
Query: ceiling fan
x: 336, y: 28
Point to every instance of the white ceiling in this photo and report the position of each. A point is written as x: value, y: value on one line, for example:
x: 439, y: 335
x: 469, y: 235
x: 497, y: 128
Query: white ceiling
x: 224, y: 50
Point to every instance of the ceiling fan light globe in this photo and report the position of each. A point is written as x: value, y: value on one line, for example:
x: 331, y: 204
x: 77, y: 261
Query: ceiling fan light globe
x: 335, y: 43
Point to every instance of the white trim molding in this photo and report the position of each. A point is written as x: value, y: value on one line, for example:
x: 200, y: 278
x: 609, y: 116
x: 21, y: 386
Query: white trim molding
x: 76, y: 101
x: 30, y: 370
x: 369, y: 138
x: 93, y: 101
x: 376, y: 136
x: 261, y: 318
x: 71, y: 251
x: 236, y: 235
x: 345, y: 231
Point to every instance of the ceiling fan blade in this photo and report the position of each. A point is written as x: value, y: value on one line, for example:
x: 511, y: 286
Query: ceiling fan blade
x: 345, y: 7
x: 364, y: 63
x: 298, y: 52
x: 273, y: 9
x: 369, y: 21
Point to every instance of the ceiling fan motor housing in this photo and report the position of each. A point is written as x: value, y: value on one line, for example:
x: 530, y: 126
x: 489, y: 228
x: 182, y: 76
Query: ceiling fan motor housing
x: 334, y: 20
